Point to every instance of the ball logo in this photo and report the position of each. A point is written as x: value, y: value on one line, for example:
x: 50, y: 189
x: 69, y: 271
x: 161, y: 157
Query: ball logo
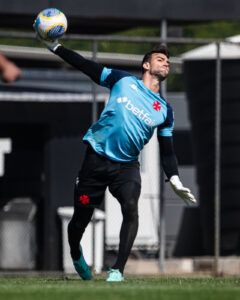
x: 84, y: 199
x: 156, y: 105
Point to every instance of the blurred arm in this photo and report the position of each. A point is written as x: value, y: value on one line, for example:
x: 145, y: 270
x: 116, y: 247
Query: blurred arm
x: 9, y: 71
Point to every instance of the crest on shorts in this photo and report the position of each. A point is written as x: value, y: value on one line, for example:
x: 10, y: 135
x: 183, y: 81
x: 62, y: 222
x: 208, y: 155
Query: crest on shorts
x: 84, y: 199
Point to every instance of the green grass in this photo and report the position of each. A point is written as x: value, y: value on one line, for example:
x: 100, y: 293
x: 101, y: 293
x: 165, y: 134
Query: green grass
x: 132, y: 288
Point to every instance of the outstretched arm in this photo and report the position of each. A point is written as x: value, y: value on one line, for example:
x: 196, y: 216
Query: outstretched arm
x: 170, y: 167
x: 88, y: 67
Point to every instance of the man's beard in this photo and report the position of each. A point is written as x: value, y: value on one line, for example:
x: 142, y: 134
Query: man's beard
x: 159, y: 76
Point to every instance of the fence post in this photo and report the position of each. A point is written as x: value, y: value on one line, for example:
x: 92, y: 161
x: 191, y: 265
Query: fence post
x: 217, y: 183
x: 94, y: 119
x: 162, y: 221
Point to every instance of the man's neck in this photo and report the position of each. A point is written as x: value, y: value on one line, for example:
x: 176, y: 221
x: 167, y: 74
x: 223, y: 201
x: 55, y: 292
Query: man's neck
x: 152, y: 83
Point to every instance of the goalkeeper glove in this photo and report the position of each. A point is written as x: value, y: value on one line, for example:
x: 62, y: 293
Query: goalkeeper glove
x: 52, y: 45
x: 182, y: 191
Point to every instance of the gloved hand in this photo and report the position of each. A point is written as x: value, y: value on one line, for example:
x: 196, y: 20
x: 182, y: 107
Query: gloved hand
x: 182, y: 191
x: 52, y: 45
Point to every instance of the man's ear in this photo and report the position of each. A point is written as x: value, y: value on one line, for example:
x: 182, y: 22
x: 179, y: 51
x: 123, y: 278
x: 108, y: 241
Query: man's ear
x: 146, y: 65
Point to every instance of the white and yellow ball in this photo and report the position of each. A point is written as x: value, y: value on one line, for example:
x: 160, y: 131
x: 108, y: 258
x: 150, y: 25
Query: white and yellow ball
x: 51, y: 23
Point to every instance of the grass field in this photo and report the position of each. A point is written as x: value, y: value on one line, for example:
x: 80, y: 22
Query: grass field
x: 49, y: 288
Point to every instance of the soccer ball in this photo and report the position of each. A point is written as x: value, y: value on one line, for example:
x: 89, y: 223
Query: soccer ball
x: 51, y: 24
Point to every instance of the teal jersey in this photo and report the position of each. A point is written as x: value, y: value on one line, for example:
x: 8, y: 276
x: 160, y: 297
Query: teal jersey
x: 129, y: 119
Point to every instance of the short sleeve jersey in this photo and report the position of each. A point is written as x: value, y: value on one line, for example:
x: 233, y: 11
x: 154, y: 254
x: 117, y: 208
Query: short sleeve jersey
x: 128, y: 121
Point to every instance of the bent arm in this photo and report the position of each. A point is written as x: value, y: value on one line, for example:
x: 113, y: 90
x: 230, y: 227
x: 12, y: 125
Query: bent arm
x: 170, y: 167
x: 88, y: 67
x: 168, y: 157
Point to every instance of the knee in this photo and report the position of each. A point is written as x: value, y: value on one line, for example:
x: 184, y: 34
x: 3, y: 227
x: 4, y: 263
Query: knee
x: 75, y: 225
x: 130, y: 211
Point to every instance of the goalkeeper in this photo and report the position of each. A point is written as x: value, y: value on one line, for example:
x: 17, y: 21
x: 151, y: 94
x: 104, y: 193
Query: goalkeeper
x: 134, y: 110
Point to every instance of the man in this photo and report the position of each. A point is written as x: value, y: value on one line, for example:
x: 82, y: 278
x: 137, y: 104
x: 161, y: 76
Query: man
x: 135, y: 108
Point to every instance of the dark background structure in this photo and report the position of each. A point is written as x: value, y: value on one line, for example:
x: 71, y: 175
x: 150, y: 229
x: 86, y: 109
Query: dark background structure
x: 112, y: 15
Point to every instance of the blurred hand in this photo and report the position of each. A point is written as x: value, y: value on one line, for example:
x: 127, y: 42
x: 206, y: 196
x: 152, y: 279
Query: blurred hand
x: 9, y: 71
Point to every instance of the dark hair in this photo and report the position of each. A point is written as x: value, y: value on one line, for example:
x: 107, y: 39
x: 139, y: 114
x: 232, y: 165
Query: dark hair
x: 158, y: 49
